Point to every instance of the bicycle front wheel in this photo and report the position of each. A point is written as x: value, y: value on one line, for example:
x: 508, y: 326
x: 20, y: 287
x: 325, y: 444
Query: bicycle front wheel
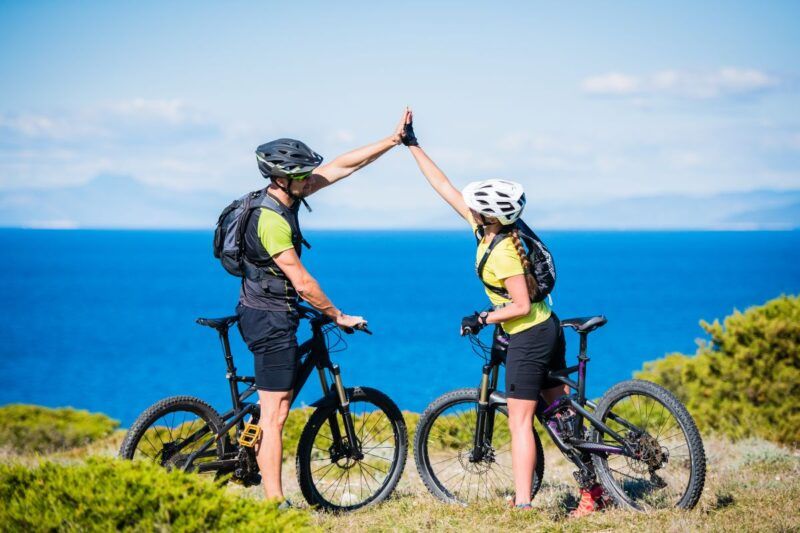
x: 444, y: 451
x: 335, y: 478
x: 666, y: 466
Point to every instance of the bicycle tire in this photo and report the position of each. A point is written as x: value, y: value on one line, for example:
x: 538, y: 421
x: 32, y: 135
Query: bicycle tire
x: 694, y: 441
x: 426, y: 421
x: 306, y: 445
x: 164, y: 407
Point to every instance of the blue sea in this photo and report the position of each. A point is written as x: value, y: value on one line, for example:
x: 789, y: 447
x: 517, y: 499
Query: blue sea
x: 104, y: 320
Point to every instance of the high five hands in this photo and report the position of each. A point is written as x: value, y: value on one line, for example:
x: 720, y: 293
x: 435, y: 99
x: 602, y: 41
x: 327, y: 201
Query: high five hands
x: 409, y: 139
x: 404, y: 132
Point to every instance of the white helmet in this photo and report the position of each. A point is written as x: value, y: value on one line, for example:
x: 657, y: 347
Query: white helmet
x: 501, y: 199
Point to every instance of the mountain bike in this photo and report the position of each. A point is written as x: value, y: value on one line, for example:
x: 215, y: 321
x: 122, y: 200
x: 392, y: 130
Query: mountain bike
x: 351, y: 452
x: 638, y: 441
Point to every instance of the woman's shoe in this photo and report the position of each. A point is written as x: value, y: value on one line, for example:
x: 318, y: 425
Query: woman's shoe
x: 591, y: 501
x: 520, y: 506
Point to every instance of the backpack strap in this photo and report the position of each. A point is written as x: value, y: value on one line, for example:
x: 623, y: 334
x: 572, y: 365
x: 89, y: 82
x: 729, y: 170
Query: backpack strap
x: 482, y: 263
x: 290, y: 214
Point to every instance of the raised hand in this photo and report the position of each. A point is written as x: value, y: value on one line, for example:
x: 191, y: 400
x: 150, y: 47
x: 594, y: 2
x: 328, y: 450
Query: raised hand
x: 409, y: 138
x: 397, y: 135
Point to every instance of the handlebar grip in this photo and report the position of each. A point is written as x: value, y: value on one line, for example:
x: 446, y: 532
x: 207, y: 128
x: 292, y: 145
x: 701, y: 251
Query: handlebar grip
x: 363, y: 327
x: 360, y: 327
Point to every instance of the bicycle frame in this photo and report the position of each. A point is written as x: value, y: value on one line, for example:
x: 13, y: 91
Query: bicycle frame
x: 574, y: 446
x: 316, y: 356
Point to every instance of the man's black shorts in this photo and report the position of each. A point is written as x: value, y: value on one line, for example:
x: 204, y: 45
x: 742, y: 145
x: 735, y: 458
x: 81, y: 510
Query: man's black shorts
x: 531, y: 355
x: 272, y: 337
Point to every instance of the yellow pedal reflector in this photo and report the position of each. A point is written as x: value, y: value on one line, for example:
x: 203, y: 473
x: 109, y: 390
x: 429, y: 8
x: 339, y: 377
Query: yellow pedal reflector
x: 250, y: 435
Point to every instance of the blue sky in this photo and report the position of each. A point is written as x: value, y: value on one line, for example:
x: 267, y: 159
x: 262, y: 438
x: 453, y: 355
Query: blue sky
x: 580, y: 102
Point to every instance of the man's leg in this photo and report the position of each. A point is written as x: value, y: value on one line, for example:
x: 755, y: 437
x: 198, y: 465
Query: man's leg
x: 269, y: 451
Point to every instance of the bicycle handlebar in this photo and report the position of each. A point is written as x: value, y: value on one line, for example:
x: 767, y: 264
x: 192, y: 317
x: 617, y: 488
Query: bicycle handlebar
x: 313, y: 315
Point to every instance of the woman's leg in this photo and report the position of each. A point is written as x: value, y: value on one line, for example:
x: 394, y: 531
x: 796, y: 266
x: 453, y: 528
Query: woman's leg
x: 550, y: 395
x: 523, y: 448
x: 529, y: 354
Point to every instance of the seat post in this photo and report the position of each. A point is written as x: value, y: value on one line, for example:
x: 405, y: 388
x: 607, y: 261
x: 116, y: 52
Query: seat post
x: 582, y: 351
x: 226, y: 350
x: 582, y: 359
x: 231, y: 374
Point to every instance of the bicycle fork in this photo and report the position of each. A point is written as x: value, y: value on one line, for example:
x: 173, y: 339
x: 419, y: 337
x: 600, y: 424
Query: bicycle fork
x: 484, y: 425
x: 338, y: 449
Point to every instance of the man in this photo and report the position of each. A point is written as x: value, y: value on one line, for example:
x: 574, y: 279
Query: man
x: 268, y: 317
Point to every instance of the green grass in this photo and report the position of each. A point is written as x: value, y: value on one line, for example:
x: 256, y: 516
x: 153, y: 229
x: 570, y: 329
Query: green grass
x: 752, y: 485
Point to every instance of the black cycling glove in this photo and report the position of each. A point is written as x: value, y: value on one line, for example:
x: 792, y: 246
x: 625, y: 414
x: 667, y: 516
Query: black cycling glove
x: 471, y: 324
x: 409, y: 139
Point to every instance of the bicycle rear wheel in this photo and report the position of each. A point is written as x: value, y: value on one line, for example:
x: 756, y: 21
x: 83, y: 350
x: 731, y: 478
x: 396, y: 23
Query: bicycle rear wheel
x: 170, y: 430
x: 334, y: 479
x: 668, y: 465
x: 443, y: 446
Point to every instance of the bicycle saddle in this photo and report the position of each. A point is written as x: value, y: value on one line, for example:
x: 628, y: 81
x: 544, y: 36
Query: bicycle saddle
x: 584, y: 324
x: 218, y: 323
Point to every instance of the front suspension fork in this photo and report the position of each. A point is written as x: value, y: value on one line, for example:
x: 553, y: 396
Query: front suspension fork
x: 484, y: 426
x: 344, y: 410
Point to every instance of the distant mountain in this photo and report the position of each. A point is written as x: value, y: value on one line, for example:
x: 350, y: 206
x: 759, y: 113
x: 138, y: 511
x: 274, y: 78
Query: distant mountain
x: 123, y: 202
x: 764, y: 209
x: 110, y: 202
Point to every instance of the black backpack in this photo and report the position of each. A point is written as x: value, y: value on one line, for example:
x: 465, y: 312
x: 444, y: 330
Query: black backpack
x: 544, y: 269
x: 229, y: 234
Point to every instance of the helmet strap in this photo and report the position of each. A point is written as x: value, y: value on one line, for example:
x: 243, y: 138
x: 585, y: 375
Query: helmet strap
x: 291, y: 195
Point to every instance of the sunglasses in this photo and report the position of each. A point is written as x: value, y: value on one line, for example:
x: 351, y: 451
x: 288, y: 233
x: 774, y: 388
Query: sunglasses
x: 299, y: 177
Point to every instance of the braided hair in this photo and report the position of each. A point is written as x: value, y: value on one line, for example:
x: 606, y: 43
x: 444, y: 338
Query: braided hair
x: 527, y: 267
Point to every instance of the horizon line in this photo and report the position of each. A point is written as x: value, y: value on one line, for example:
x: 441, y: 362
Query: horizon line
x: 608, y: 229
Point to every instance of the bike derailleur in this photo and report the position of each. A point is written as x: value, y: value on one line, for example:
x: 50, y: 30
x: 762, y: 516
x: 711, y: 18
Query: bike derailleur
x: 585, y: 477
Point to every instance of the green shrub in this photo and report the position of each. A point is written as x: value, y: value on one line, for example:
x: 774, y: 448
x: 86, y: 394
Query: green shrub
x: 744, y: 381
x: 36, y: 429
x: 109, y: 494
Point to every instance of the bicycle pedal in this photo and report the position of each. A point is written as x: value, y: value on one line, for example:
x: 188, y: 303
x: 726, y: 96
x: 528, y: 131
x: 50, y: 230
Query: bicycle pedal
x: 250, y: 435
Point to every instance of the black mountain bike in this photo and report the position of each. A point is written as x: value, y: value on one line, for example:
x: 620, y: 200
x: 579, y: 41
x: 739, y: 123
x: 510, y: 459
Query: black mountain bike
x: 638, y: 440
x: 351, y: 453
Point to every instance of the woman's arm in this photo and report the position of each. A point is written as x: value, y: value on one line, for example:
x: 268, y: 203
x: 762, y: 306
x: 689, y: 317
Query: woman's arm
x: 440, y: 183
x: 520, y: 301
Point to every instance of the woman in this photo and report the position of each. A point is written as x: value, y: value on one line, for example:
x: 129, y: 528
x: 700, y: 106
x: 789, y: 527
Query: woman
x: 536, y: 342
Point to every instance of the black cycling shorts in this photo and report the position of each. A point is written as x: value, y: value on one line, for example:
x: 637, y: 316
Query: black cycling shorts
x: 531, y: 355
x: 272, y: 337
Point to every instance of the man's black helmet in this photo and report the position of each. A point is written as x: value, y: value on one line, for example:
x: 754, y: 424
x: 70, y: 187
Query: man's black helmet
x: 286, y: 158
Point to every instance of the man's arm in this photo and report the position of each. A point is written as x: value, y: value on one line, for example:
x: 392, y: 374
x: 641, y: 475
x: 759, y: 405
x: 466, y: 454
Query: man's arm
x: 309, y: 290
x: 347, y: 163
